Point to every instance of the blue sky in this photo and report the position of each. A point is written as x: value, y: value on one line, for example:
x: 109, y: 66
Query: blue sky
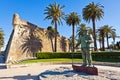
x: 32, y: 11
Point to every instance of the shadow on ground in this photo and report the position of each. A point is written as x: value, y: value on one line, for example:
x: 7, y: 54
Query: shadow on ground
x: 62, y: 71
x: 22, y: 77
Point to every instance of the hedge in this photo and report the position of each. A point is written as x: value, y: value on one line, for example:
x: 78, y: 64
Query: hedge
x: 49, y: 55
x: 106, y: 55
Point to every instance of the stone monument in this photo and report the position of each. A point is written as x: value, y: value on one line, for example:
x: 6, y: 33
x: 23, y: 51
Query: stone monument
x: 85, y: 40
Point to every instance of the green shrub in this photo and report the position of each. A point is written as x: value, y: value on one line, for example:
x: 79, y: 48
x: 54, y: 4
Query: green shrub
x: 106, y: 55
x: 48, y: 55
x: 102, y: 55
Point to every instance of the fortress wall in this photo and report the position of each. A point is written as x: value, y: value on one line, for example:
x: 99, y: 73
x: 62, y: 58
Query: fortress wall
x: 27, y: 39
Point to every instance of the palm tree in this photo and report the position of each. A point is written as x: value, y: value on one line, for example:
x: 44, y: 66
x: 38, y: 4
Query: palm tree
x: 72, y: 19
x: 51, y: 34
x: 80, y: 29
x: 93, y: 12
x: 101, y: 35
x: 55, y: 14
x: 113, y: 35
x: 108, y: 31
x: 70, y: 44
x: 100, y: 40
x: 83, y: 27
x: 63, y: 43
x: 1, y: 38
x: 90, y: 31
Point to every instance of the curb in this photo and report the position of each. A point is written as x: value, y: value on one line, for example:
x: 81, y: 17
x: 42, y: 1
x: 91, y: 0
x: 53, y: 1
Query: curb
x: 58, y: 63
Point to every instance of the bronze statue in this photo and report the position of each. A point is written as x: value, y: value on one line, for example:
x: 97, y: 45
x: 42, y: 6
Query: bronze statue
x: 85, y: 40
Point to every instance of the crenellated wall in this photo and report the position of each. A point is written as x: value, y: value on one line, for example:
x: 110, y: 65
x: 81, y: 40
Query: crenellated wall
x: 27, y: 39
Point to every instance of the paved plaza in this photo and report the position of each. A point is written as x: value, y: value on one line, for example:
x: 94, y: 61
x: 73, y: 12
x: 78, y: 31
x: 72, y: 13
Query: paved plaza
x: 34, y: 71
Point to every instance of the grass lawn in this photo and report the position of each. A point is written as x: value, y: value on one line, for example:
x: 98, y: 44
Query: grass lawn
x: 67, y: 60
x: 61, y: 60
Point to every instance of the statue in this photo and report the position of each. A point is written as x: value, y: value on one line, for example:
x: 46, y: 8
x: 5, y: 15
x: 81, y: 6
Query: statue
x: 85, y: 40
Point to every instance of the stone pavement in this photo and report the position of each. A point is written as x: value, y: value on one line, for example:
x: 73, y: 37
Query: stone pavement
x: 31, y: 71
x: 24, y: 72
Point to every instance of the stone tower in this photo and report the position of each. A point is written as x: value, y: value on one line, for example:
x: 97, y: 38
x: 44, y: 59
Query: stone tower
x: 26, y: 39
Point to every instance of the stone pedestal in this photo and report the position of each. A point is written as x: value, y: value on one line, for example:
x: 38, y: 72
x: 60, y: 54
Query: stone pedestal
x: 88, y: 70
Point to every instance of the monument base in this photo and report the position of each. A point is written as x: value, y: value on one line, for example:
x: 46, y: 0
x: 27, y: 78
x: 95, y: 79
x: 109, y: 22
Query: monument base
x: 88, y: 70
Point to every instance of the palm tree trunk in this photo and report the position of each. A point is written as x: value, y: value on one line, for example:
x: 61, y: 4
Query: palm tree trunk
x: 94, y: 33
x: 114, y: 39
x: 55, y: 36
x: 100, y: 44
x: 107, y: 42
x: 52, y: 44
x: 0, y: 49
x: 103, y: 47
x: 73, y: 38
x: 113, y: 42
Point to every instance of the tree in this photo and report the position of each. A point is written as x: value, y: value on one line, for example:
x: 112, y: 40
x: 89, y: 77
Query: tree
x: 70, y: 44
x: 100, y: 40
x: 113, y: 35
x: 90, y: 31
x: 51, y: 34
x: 101, y: 35
x: 55, y: 14
x: 63, y: 43
x: 73, y: 20
x: 1, y: 39
x: 118, y: 44
x: 108, y: 31
x: 83, y: 27
x: 80, y: 29
x: 93, y: 12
